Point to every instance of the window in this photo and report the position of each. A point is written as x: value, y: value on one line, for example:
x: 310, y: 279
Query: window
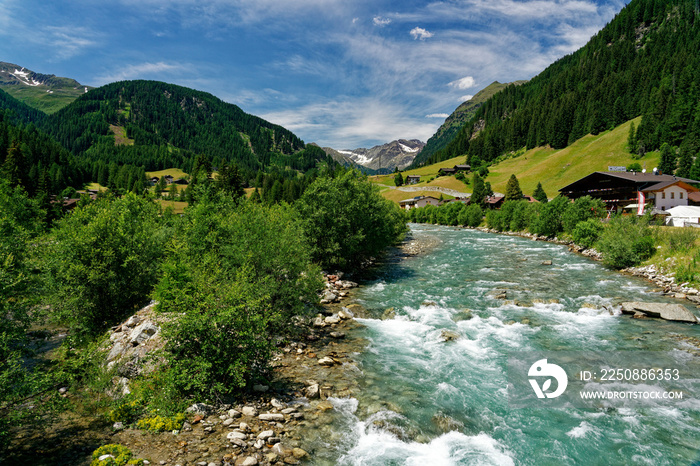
x: 673, y: 195
x: 681, y: 195
x: 663, y: 195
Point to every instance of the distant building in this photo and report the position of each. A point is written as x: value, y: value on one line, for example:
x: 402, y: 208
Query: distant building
x: 418, y: 201
x: 620, y: 189
x: 168, y: 179
x: 462, y: 168
x: 446, y: 171
x: 180, y: 181
x: 412, y: 179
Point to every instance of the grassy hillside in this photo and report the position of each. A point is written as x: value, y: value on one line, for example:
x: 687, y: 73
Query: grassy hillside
x: 553, y: 168
x: 40, y: 99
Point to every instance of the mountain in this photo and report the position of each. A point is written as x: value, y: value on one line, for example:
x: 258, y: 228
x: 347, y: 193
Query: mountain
x: 159, y: 125
x: 380, y: 159
x: 45, y: 92
x: 457, y: 119
x: 645, y: 62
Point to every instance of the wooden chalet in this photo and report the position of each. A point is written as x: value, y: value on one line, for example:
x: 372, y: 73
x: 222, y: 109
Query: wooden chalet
x: 447, y: 171
x: 412, y: 179
x: 419, y: 201
x: 494, y: 202
x: 462, y: 168
x: 168, y: 179
x: 180, y: 181
x: 620, y: 189
x: 694, y: 198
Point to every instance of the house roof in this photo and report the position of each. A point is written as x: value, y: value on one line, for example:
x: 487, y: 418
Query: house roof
x: 634, y: 180
x: 694, y: 196
x: 413, y: 176
x: 462, y: 167
x: 494, y: 199
x: 666, y: 184
x: 416, y: 199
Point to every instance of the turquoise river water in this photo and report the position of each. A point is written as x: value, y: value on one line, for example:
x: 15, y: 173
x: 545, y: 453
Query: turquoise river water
x: 429, y: 402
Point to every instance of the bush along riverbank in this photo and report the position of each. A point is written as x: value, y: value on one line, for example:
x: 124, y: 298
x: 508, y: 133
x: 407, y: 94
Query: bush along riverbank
x: 235, y: 288
x: 669, y: 257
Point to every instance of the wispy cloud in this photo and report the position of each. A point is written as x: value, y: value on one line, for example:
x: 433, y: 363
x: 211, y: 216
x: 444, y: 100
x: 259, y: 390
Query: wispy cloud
x: 381, y: 22
x: 68, y: 41
x: 464, y: 98
x: 437, y: 115
x: 420, y: 33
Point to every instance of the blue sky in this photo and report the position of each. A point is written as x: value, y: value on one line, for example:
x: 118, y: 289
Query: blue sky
x: 340, y: 73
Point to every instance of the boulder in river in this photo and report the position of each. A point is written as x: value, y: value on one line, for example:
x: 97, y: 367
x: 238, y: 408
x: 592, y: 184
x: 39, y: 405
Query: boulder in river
x: 449, y: 335
x: 675, y: 312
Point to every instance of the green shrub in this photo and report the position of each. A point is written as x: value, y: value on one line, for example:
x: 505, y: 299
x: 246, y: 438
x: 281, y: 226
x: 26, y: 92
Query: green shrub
x: 471, y: 216
x: 626, y: 242
x: 121, y: 455
x: 126, y: 411
x: 586, y: 233
x: 347, y: 221
x: 581, y: 209
x: 159, y: 423
x: 102, y: 260
x: 548, y: 221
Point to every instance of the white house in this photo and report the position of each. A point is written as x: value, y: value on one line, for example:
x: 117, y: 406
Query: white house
x: 670, y: 193
x: 418, y: 201
x: 681, y: 215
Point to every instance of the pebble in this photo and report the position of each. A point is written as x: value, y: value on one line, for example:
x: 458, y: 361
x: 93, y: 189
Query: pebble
x: 249, y: 411
x: 271, y: 417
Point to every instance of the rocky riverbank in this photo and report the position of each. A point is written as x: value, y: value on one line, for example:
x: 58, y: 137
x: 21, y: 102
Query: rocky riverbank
x: 666, y: 282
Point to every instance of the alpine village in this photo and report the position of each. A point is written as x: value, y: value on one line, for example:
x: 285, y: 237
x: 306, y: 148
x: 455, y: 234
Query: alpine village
x: 184, y: 283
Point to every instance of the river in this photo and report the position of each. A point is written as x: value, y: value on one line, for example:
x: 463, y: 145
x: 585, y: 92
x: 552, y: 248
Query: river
x: 427, y: 401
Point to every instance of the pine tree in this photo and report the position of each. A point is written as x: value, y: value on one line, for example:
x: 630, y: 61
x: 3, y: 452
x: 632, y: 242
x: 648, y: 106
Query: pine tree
x: 539, y: 193
x: 513, y: 191
x: 685, y: 164
x: 667, y: 165
x: 479, y: 190
x: 398, y: 179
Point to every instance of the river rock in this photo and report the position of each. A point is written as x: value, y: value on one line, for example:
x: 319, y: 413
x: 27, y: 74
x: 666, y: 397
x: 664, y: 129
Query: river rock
x: 463, y: 315
x: 312, y: 391
x: 326, y: 361
x: 546, y: 262
x: 345, y: 314
x: 675, y: 312
x: 449, y: 335
x: 298, y: 453
x: 337, y: 335
x: 281, y: 450
x: 247, y: 461
x: 249, y: 411
x: 428, y: 303
x: 389, y: 314
x: 235, y: 435
x: 271, y: 417
x: 142, y: 333
x: 266, y: 434
x: 201, y: 409
x: 334, y: 319
x: 277, y: 404
x: 498, y: 294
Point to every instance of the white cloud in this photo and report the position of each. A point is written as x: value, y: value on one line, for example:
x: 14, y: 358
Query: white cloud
x: 381, y: 22
x: 437, y: 115
x: 463, y: 83
x: 420, y: 33
x: 464, y: 98
x: 351, y: 123
x: 141, y: 71
x: 68, y: 41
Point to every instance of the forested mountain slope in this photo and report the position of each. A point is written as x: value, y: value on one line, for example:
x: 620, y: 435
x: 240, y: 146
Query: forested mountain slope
x: 645, y: 62
x: 163, y: 125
